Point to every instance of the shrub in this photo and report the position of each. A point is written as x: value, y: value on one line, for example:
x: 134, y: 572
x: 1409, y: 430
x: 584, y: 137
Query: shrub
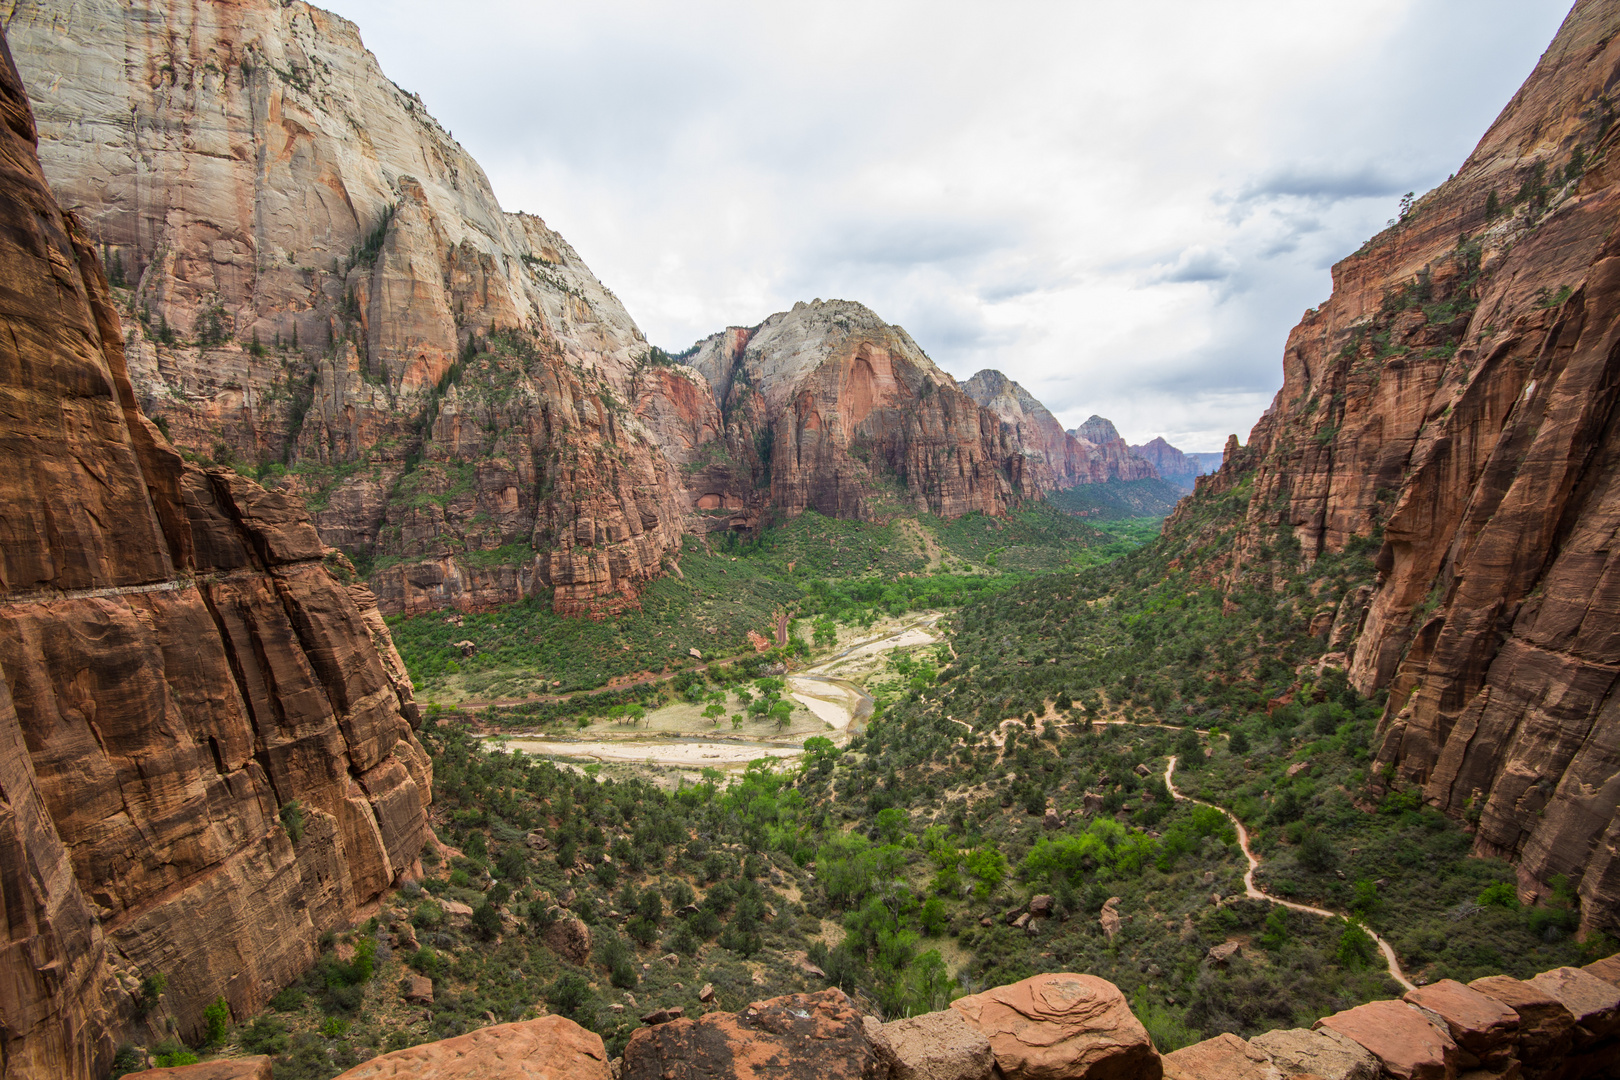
x: 171, y: 1053
x: 486, y: 921
x: 265, y: 1035
x: 217, y: 1019
x: 568, y: 995
x: 1357, y: 949
x: 292, y: 820
x: 1502, y: 894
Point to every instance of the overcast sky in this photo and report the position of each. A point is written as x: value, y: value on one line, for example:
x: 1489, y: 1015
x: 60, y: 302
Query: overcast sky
x: 1124, y: 206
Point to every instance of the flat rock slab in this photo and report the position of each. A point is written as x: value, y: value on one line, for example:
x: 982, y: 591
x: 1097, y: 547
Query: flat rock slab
x: 1545, y: 1025
x: 249, y: 1068
x: 1593, y: 1003
x: 936, y: 1046
x: 1607, y: 969
x: 1062, y: 1027
x: 1481, y: 1025
x: 550, y: 1048
x: 1225, y: 1057
x: 1325, y: 1053
x: 796, y: 1037
x: 1407, y: 1043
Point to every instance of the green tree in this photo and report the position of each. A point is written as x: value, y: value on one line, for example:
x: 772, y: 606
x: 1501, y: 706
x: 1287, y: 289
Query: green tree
x: 217, y: 1019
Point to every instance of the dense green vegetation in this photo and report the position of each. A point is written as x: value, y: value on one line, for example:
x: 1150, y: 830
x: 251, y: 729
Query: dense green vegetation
x: 809, y: 566
x: 1119, y: 499
x: 1026, y: 759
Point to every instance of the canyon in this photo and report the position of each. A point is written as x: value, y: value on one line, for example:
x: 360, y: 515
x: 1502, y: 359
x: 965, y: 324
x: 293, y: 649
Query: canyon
x: 272, y: 261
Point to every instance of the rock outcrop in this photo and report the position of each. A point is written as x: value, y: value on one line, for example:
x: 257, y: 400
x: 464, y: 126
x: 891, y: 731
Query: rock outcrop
x: 802, y: 1035
x: 205, y: 759
x: 1062, y: 1026
x: 550, y: 1048
x: 1066, y: 458
x: 1456, y: 399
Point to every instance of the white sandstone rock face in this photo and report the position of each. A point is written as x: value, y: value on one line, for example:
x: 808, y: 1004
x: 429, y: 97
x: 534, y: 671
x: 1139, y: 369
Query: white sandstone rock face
x: 311, y: 254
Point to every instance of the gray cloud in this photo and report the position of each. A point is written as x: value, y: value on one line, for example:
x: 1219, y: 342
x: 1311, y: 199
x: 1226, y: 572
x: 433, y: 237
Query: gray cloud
x: 1123, y: 207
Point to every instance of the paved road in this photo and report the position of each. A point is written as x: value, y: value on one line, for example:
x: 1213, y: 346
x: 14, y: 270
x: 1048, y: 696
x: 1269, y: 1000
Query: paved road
x: 1252, y: 891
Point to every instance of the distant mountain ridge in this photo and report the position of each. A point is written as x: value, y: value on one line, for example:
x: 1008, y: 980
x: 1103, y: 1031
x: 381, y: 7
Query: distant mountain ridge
x: 1074, y: 457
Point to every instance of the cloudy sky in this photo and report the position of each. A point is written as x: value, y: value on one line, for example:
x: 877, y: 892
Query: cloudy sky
x: 1122, y: 205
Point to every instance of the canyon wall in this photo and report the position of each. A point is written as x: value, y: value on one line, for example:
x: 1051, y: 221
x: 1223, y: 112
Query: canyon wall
x: 1065, y: 458
x: 185, y: 677
x: 1170, y: 463
x: 833, y: 409
x: 319, y: 284
x: 1456, y: 399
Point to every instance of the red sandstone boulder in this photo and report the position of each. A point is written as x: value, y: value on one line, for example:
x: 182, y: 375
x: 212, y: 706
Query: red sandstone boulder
x: 1408, y: 1044
x: 1545, y: 1025
x: 1062, y: 1027
x: 1325, y: 1054
x: 1607, y: 969
x: 934, y: 1046
x: 800, y: 1035
x: 1593, y: 1003
x: 570, y: 939
x: 1482, y: 1026
x: 250, y: 1068
x: 1225, y: 1057
x: 550, y: 1048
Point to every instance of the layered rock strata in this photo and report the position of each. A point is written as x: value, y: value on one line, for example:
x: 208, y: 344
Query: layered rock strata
x: 1067, y: 457
x: 827, y: 407
x: 206, y: 760
x: 320, y: 278
x: 1456, y: 399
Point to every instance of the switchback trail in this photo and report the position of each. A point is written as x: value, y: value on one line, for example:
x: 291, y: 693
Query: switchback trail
x: 1251, y: 891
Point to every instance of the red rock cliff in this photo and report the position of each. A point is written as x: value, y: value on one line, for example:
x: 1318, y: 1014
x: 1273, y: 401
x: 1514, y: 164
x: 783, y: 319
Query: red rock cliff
x: 177, y: 666
x: 1458, y: 393
x: 1065, y: 458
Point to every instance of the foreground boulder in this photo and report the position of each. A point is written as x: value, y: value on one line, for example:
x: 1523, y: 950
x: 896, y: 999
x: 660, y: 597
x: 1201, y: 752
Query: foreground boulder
x: 933, y: 1046
x: 1482, y: 1026
x: 787, y: 1038
x: 249, y: 1068
x: 1593, y: 1003
x: 1073, y: 1027
x: 1323, y: 1053
x: 1408, y: 1044
x: 550, y: 1048
x: 1225, y: 1057
x: 1545, y: 1025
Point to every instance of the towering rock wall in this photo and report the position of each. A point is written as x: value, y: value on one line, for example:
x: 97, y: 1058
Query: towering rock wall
x: 178, y: 666
x: 1457, y: 396
x: 1118, y: 460
x: 1169, y: 462
x: 314, y: 267
x: 832, y: 409
x: 1066, y: 458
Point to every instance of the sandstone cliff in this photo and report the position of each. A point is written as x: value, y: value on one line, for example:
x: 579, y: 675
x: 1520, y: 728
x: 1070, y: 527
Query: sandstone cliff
x: 1170, y: 463
x: 178, y: 668
x: 1457, y: 397
x: 319, y: 278
x: 1068, y: 458
x: 828, y: 407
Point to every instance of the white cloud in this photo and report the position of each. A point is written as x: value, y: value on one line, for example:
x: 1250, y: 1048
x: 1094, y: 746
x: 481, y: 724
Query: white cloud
x: 1123, y: 206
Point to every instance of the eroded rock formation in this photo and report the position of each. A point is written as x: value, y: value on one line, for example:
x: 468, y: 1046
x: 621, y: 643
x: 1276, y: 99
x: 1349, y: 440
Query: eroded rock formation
x: 1456, y: 398
x: 1170, y: 463
x: 826, y: 406
x: 179, y: 667
x: 1067, y: 457
x: 319, y: 276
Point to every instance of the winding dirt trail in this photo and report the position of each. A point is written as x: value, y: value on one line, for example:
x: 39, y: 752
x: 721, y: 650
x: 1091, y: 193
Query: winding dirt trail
x: 1250, y: 890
